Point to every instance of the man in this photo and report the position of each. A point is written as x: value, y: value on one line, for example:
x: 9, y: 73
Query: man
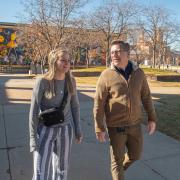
x: 117, y: 107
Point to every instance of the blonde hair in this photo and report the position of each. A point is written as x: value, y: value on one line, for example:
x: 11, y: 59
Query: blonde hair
x: 54, y: 55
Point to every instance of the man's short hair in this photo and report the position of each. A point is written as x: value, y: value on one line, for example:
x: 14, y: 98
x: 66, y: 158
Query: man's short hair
x: 123, y: 45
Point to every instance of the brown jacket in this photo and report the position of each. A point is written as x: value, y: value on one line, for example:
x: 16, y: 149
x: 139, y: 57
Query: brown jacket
x: 120, y: 101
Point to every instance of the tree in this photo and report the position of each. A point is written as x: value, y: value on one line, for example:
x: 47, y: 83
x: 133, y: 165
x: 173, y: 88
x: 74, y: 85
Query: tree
x: 113, y: 19
x: 48, y: 21
x: 83, y: 39
x: 33, y: 44
x: 160, y: 30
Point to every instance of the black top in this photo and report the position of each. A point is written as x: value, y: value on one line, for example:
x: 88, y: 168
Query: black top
x: 125, y: 73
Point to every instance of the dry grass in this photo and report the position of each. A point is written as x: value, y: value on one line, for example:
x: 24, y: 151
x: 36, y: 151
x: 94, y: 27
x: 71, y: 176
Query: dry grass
x: 90, y: 69
x: 93, y: 81
x: 151, y: 71
x: 159, y: 72
x: 87, y: 80
x: 168, y: 113
x: 153, y: 83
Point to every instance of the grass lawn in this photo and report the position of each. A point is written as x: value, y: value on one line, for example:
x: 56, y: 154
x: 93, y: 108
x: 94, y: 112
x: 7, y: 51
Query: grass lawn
x: 146, y: 70
x: 159, y: 72
x: 87, y: 80
x: 168, y: 114
x: 90, y: 69
x: 153, y: 83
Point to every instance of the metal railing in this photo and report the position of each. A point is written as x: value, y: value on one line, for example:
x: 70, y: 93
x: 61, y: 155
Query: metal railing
x: 5, y: 69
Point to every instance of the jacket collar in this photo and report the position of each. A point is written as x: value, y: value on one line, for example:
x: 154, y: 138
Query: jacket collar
x: 134, y: 66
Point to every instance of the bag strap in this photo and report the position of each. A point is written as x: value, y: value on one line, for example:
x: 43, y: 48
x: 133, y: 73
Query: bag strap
x: 64, y: 101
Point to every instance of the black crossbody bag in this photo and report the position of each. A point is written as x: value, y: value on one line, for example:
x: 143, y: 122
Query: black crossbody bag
x: 55, y: 115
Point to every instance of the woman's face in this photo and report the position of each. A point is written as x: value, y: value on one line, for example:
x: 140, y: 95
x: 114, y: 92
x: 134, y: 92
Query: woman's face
x: 63, y: 63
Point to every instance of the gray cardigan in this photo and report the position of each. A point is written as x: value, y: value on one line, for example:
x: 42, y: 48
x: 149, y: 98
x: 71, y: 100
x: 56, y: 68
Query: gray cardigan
x: 39, y: 103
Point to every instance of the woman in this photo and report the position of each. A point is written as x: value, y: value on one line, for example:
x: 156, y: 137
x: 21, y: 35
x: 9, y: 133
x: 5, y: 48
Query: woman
x: 51, y: 145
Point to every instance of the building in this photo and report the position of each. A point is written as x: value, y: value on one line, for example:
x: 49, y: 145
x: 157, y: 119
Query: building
x: 176, y: 58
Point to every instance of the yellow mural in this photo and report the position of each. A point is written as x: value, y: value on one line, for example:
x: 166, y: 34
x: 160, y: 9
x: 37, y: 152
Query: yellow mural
x: 7, y: 40
x: 1, y: 39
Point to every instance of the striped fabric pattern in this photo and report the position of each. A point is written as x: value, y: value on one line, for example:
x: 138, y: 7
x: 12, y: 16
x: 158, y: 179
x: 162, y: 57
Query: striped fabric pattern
x: 51, y: 161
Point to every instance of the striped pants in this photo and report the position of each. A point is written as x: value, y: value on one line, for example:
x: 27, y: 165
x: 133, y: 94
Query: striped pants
x: 52, y: 158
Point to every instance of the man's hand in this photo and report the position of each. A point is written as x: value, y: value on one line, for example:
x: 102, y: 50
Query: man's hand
x: 151, y: 127
x: 101, y: 136
x: 78, y: 140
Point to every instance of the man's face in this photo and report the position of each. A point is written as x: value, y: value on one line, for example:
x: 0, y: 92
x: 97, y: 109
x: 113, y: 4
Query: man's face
x: 119, y: 57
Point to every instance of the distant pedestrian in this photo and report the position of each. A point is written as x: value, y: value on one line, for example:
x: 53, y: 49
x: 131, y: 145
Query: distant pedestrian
x: 117, y: 106
x: 51, y: 140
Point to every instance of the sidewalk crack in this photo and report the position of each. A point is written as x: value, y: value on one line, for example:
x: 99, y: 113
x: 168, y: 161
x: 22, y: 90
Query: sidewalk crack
x: 152, y: 169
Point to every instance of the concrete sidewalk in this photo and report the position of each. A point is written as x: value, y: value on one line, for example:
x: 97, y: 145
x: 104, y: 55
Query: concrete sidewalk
x: 90, y: 160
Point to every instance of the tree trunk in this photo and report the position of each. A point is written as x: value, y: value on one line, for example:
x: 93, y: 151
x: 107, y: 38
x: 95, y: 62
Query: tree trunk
x: 154, y: 56
x: 87, y: 58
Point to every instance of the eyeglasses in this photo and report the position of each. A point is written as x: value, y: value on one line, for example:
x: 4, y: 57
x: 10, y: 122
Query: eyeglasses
x: 119, y: 51
x: 65, y: 61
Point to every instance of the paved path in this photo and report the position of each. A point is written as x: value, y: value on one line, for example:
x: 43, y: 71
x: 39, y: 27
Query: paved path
x: 90, y: 160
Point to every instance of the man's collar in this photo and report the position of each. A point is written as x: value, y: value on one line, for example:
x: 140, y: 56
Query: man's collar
x: 134, y: 66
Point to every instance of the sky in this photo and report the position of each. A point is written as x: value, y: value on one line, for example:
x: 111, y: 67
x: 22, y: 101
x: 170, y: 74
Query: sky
x: 10, y: 9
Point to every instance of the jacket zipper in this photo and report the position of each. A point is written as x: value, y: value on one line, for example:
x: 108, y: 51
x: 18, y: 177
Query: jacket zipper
x: 127, y: 82
x: 128, y: 101
x: 130, y: 76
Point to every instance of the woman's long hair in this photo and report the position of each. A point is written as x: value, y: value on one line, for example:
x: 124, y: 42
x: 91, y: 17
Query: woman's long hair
x: 54, y: 55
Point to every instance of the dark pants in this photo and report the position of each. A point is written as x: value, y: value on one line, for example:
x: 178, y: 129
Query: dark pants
x: 125, y: 148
